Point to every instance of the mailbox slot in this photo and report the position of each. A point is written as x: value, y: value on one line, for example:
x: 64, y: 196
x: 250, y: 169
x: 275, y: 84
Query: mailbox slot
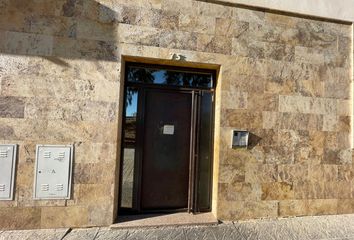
x: 239, y: 139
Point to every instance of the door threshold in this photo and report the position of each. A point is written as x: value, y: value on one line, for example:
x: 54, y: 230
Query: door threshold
x: 163, y: 220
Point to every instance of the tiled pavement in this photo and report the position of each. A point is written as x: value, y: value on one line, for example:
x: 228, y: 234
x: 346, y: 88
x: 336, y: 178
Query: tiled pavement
x: 302, y: 228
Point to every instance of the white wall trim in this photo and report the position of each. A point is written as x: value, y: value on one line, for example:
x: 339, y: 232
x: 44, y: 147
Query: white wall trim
x: 342, y: 10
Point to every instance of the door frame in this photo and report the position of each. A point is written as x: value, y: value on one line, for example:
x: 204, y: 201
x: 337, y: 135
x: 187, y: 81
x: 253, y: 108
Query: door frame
x: 193, y: 159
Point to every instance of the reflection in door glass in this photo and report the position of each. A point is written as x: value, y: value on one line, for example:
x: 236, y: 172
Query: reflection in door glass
x: 169, y: 77
x: 129, y: 147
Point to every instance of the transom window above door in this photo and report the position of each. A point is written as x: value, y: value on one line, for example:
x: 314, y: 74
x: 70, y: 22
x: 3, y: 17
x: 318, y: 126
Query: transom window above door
x: 171, y: 77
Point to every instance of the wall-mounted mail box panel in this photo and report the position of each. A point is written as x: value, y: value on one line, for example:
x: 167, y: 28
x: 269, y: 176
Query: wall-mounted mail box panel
x: 239, y: 139
x: 7, y: 170
x: 53, y: 172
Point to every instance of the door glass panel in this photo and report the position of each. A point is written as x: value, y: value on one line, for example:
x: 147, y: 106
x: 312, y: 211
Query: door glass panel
x: 205, y: 152
x: 129, y: 147
x: 169, y: 77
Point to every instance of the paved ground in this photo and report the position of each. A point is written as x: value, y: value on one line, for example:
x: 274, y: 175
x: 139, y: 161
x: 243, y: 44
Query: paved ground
x: 325, y: 227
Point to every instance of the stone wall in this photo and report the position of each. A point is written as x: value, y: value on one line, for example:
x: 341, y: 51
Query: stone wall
x: 286, y: 79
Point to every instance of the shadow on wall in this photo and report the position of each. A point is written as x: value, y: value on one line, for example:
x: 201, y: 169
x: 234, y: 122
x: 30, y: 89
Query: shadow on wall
x: 75, y: 29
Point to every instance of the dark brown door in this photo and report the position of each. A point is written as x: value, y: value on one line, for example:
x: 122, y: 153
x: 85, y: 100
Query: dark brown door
x: 166, y: 151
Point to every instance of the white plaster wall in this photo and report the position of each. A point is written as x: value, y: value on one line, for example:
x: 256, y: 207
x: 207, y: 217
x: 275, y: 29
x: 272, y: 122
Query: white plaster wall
x: 332, y: 9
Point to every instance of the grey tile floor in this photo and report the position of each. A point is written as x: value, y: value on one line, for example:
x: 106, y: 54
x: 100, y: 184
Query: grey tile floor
x: 322, y: 227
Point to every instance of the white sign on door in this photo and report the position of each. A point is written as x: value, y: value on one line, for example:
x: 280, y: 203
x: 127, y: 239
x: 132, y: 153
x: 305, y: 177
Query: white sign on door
x: 168, y: 129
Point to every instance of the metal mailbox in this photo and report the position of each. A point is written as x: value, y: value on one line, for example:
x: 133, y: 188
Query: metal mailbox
x: 53, y: 172
x: 7, y: 170
x: 239, y: 139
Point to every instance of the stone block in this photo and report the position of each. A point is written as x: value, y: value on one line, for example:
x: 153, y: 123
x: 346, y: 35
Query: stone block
x: 74, y: 216
x: 344, y: 124
x: 244, y: 83
x: 345, y: 172
x: 27, y: 44
x: 343, y: 107
x: 234, y: 100
x: 91, y: 173
x: 241, y: 119
x: 101, y: 214
x: 51, y: 25
x: 247, y: 48
x: 178, y: 6
x: 148, y: 4
x: 53, y: 109
x: 264, y: 102
x: 224, y: 27
x: 20, y: 218
x: 323, y: 206
x: 55, y: 87
x: 139, y: 35
x: 260, y: 173
x: 289, y: 208
x: 198, y: 24
x: 344, y: 190
x: 91, y: 194
x: 214, y: 44
x: 259, y: 209
x: 330, y: 156
x: 281, y: 20
x: 330, y: 122
x: 309, y: 190
x: 271, y: 120
x: 295, y: 104
x: 277, y: 191
x: 300, y: 121
x: 299, y: 104
x: 260, y: 138
x: 345, y: 156
x: 88, y: 152
x: 279, y: 52
x: 168, y: 20
x: 241, y: 192
x: 345, y: 206
x: 323, y: 172
x: 281, y: 154
x: 12, y: 22
x: 85, y: 49
x: 312, y: 34
x: 292, y: 172
x: 242, y: 14
x: 12, y: 107
x: 90, y: 29
x: 215, y: 10
x: 242, y: 210
x: 331, y: 140
x: 229, y: 173
x: 309, y: 55
x: 178, y: 40
x: 58, y: 131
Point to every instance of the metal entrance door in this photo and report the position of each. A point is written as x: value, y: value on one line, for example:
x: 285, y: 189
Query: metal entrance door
x: 167, y: 140
x: 166, y: 154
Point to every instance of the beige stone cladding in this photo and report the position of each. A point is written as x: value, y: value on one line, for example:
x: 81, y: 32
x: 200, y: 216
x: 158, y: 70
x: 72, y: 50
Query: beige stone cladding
x: 286, y: 79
